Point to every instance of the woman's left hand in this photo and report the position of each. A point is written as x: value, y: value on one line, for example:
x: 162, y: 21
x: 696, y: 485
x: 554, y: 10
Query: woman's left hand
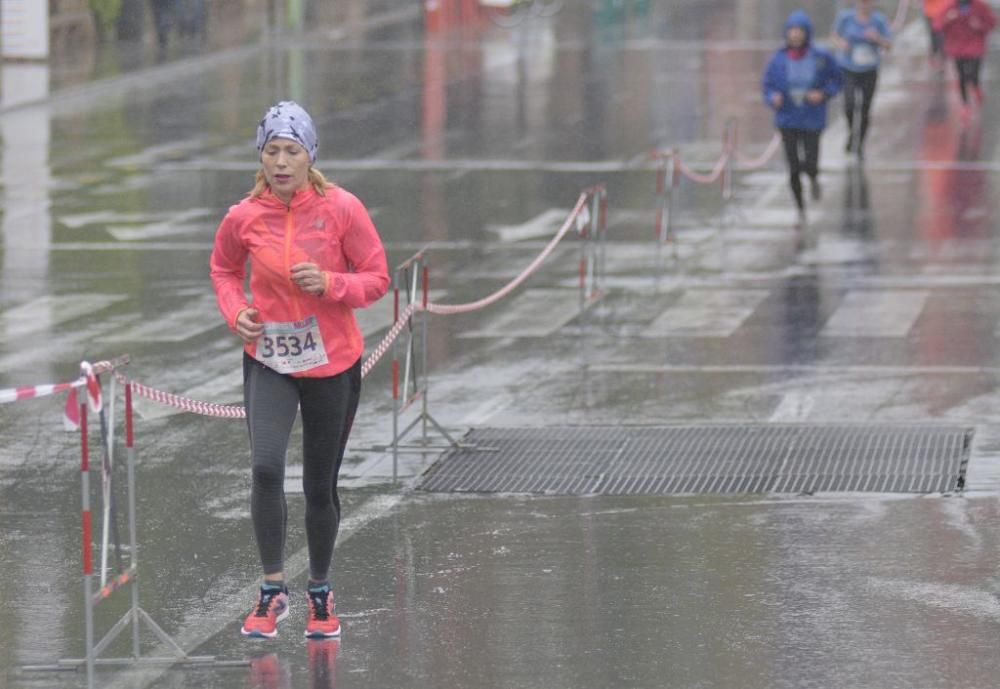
x: 309, y: 278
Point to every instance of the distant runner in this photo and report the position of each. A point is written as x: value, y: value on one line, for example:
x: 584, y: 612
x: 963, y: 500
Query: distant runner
x: 965, y: 25
x: 860, y: 34
x: 798, y: 82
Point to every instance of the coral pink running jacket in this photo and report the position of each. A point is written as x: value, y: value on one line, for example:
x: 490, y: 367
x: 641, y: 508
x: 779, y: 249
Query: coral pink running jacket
x: 332, y: 231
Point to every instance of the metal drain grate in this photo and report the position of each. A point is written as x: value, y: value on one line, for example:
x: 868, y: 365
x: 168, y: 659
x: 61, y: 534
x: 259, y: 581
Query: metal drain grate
x: 660, y: 460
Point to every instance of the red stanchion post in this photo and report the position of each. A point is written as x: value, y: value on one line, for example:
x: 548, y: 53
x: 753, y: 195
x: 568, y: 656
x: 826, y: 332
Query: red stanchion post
x: 602, y: 227
x: 661, y: 192
x: 729, y: 150
x: 426, y: 285
x: 129, y: 437
x: 88, y: 564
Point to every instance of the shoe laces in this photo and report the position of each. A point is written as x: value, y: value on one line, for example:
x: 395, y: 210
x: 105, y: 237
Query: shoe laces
x: 265, y: 602
x: 318, y: 600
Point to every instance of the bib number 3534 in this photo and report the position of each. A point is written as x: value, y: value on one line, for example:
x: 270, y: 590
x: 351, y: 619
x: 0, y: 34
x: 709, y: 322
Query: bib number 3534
x: 291, y: 346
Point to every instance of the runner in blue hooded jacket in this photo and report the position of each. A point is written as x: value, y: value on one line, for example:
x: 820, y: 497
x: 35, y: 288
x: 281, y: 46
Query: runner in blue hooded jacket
x: 798, y: 82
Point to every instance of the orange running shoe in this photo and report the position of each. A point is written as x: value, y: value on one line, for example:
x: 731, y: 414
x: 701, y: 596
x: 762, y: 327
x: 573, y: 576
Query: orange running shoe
x: 271, y: 609
x: 322, y: 623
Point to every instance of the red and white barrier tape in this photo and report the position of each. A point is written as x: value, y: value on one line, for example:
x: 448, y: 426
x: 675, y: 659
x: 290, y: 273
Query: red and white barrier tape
x: 88, y: 375
x: 393, y: 333
x: 25, y: 392
x: 226, y: 411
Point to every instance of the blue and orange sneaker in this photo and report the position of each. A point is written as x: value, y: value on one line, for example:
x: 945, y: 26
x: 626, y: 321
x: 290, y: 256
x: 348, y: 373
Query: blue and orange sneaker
x: 322, y: 623
x: 271, y: 609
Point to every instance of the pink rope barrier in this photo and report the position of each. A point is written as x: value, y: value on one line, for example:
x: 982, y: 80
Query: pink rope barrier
x: 448, y: 309
x: 761, y: 160
x: 699, y: 178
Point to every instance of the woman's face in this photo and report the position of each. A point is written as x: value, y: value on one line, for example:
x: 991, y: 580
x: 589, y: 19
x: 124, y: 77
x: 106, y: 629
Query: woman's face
x: 796, y: 37
x: 286, y: 167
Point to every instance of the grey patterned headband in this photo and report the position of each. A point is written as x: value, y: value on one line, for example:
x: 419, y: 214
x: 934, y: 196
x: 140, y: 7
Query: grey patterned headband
x: 288, y: 120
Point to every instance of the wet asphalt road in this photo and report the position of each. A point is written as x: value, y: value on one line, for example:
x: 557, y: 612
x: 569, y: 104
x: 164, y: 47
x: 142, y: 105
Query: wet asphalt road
x: 885, y: 312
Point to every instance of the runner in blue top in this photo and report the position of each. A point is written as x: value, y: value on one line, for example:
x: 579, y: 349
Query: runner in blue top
x: 860, y: 34
x: 798, y: 81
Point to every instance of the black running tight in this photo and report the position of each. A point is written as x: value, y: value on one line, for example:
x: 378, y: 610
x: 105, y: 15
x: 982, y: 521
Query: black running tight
x: 802, y: 153
x: 328, y: 406
x: 968, y: 75
x: 855, y: 84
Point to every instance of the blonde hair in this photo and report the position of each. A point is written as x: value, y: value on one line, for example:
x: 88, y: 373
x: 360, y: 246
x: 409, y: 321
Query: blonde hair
x: 316, y: 180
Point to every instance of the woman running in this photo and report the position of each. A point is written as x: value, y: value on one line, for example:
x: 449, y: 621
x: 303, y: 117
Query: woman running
x: 315, y: 257
x: 860, y: 34
x: 965, y: 26
x: 932, y: 10
x: 798, y: 82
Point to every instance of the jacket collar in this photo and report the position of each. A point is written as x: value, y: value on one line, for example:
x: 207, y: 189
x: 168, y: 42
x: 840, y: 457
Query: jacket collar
x: 301, y: 198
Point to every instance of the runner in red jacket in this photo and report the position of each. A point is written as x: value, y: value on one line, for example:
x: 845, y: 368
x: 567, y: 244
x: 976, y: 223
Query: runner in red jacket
x: 964, y: 26
x: 314, y: 256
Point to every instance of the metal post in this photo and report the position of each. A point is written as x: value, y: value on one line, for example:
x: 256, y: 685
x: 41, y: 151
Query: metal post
x: 88, y: 565
x: 661, y: 199
x: 411, y: 297
x: 602, y: 227
x: 729, y: 150
x: 671, y: 183
x: 395, y: 381
x: 423, y: 355
x: 583, y: 264
x: 133, y: 539
x: 107, y: 430
x: 595, y: 213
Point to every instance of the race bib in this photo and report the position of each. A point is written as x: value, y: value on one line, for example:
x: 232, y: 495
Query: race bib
x: 864, y: 55
x: 292, y: 346
x: 798, y: 96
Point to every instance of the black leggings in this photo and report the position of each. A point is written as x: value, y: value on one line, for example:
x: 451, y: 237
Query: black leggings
x: 937, y: 41
x: 856, y: 83
x: 802, y: 153
x: 968, y: 75
x: 328, y: 406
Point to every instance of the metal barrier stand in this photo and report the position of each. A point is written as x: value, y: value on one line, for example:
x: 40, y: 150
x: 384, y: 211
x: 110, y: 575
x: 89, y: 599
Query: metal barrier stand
x: 135, y: 615
x: 592, y: 226
x: 414, y: 277
x: 666, y: 181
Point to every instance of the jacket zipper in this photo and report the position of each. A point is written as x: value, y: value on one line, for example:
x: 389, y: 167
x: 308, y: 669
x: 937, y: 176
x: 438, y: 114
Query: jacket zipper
x: 293, y: 288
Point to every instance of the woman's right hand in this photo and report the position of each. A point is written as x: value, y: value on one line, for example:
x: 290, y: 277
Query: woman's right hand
x: 247, y: 326
x: 777, y: 100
